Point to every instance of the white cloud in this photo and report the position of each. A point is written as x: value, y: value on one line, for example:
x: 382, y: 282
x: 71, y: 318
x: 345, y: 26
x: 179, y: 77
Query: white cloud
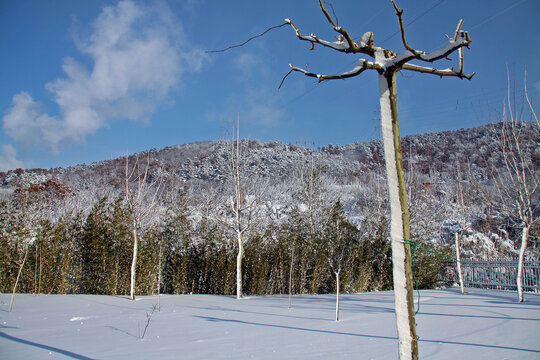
x: 259, y: 107
x: 138, y: 55
x: 262, y: 108
x: 249, y: 66
x: 8, y: 159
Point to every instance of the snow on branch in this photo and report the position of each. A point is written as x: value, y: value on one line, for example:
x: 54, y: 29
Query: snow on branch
x: 357, y: 70
x: 457, y: 42
x: 339, y: 45
x: 345, y: 43
x: 439, y: 72
x: 386, y: 60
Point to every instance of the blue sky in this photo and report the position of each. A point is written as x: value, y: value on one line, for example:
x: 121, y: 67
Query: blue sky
x: 84, y: 81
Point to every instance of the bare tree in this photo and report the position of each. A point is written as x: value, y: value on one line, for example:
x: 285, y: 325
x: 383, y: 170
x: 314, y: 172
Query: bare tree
x: 141, y: 196
x: 27, y: 242
x: 24, y: 227
x: 243, y: 205
x: 313, y: 204
x: 457, y: 234
x: 517, y: 184
x: 338, y: 248
x: 388, y: 63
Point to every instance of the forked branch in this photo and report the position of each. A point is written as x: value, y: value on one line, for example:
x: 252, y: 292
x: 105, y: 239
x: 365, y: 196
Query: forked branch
x: 457, y: 42
x: 353, y: 46
x: 345, y: 43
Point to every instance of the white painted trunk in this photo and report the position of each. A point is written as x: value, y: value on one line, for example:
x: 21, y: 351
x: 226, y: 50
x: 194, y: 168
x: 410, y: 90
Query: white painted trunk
x: 159, y: 279
x: 460, y: 272
x: 396, y: 225
x: 239, y: 266
x: 134, y: 264
x: 337, y: 295
x: 524, y: 240
x: 291, y: 278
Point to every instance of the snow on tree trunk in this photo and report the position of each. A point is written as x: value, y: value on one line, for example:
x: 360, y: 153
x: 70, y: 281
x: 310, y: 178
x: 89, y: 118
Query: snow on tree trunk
x: 291, y: 277
x: 460, y: 272
x: 337, y: 294
x: 524, y: 240
x: 399, y: 222
x: 159, y: 275
x: 239, y: 266
x: 134, y: 262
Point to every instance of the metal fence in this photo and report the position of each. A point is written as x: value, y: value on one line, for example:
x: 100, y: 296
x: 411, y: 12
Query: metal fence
x: 499, y: 274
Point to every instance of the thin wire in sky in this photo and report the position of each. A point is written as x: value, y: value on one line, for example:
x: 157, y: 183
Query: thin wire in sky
x: 500, y: 12
x: 491, y: 17
x: 413, y: 21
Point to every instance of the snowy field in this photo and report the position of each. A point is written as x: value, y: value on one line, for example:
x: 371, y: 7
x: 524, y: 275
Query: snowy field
x: 484, y: 324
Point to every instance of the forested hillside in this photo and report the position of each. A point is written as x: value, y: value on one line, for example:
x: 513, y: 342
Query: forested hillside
x: 309, y: 213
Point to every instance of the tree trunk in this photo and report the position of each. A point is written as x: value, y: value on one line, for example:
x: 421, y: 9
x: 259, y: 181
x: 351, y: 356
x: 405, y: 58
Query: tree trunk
x: 524, y: 240
x: 36, y: 272
x: 337, y: 294
x: 134, y: 263
x: 460, y: 272
x: 291, y: 278
x: 239, y: 266
x: 399, y: 222
x: 40, y: 270
x: 17, y: 280
x: 159, y: 277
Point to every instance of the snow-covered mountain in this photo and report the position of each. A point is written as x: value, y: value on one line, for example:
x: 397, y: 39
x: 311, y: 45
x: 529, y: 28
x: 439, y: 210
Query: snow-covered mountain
x: 353, y: 173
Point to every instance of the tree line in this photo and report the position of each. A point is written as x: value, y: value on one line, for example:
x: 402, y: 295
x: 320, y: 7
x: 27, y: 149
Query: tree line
x: 185, y: 252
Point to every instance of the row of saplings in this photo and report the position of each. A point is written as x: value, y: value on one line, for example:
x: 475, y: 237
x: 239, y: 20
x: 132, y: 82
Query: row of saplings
x: 93, y: 254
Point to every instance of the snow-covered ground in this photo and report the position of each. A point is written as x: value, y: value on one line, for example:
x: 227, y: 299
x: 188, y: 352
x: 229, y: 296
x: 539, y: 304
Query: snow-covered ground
x: 484, y: 324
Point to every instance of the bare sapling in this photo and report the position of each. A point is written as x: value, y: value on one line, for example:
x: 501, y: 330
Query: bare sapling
x: 458, y: 261
x: 517, y: 184
x: 148, y: 320
x: 21, y: 266
x: 243, y: 205
x: 335, y: 259
x: 461, y: 207
x: 141, y: 199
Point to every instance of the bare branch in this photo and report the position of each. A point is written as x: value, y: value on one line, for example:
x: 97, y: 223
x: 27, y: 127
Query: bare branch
x: 283, y: 80
x: 345, y: 42
x: 339, y: 45
x: 248, y: 40
x: 528, y: 100
x: 459, y: 40
x: 353, y: 46
x: 399, y: 13
x: 321, y: 4
x: 438, y: 72
x: 333, y: 11
x: 362, y: 65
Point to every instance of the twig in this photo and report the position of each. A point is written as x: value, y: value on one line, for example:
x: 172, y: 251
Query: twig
x: 148, y: 319
x: 248, y: 40
x: 526, y: 97
x: 333, y: 12
x: 283, y: 80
